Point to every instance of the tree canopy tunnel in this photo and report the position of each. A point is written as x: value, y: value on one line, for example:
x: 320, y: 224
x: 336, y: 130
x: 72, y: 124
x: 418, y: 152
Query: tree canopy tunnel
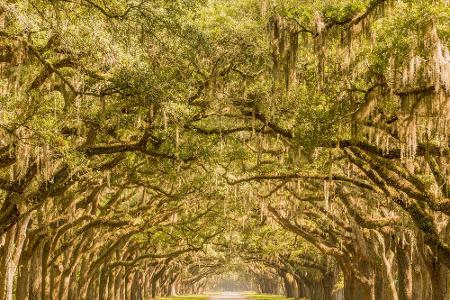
x: 153, y: 147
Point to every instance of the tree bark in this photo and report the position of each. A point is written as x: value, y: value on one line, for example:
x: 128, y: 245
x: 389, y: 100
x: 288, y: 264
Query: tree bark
x: 22, y: 279
x: 36, y: 273
x: 439, y: 280
x: 14, y: 241
x: 288, y: 285
x: 118, y: 284
x: 353, y: 289
x: 328, y: 282
x: 405, y: 273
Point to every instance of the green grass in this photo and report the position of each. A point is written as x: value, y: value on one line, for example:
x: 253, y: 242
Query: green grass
x: 188, y: 297
x: 265, y: 297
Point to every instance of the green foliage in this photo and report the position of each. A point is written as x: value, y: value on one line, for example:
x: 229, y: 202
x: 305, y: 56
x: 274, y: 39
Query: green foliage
x: 177, y: 129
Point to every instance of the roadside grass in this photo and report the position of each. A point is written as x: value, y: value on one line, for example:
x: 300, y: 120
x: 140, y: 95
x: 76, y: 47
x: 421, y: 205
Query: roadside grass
x: 253, y: 296
x: 188, y: 297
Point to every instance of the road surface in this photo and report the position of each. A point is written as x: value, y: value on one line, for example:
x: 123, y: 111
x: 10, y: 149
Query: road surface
x: 228, y: 296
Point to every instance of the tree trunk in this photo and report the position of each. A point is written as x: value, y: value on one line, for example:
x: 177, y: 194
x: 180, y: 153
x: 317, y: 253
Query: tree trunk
x: 328, y: 282
x: 35, y: 274
x: 73, y: 286
x: 439, y: 281
x: 353, y: 289
x: 136, y: 291
x: 22, y: 279
x: 288, y: 286
x: 110, y: 287
x: 44, y: 269
x: 102, y: 288
x: 301, y: 288
x: 84, y: 281
x: 317, y: 291
x: 405, y: 274
x: 117, y: 285
x: 14, y: 241
x: 154, y: 288
x: 53, y: 275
